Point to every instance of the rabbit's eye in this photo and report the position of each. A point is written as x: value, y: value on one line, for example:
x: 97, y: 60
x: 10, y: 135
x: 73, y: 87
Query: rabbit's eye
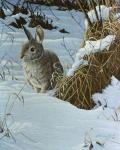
x: 32, y: 49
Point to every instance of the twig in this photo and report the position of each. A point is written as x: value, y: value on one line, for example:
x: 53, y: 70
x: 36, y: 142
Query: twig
x: 68, y: 50
x: 7, y: 25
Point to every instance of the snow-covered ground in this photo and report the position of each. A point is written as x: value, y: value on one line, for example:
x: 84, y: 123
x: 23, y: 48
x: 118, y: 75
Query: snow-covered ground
x: 42, y: 122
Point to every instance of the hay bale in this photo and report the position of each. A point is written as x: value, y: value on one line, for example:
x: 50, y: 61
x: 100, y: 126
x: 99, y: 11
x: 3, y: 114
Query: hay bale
x: 100, y: 30
x: 96, y: 31
x: 95, y: 76
x: 73, y: 89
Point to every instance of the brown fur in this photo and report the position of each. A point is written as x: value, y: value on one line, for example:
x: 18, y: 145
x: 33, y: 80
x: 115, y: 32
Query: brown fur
x: 38, y: 63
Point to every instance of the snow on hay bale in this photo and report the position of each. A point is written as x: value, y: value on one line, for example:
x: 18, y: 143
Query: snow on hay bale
x: 95, y: 63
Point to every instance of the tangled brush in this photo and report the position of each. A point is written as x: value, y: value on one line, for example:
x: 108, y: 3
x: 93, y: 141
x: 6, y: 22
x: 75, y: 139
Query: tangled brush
x: 96, y: 75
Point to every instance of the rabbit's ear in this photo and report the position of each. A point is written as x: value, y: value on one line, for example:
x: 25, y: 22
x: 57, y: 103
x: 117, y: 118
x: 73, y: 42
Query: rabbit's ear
x: 29, y: 35
x: 39, y: 35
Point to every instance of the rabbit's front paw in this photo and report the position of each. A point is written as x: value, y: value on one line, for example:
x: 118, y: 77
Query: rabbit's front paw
x: 38, y: 90
x: 44, y: 88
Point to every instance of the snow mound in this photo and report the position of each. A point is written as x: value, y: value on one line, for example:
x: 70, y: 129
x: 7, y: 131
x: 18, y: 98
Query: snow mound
x: 110, y: 96
x: 90, y: 47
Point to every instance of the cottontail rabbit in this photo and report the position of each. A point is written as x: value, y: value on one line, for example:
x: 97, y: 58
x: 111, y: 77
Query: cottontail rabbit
x: 38, y: 63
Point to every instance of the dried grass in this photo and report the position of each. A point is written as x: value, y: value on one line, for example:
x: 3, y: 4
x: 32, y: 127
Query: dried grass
x: 95, y: 76
x: 96, y: 31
